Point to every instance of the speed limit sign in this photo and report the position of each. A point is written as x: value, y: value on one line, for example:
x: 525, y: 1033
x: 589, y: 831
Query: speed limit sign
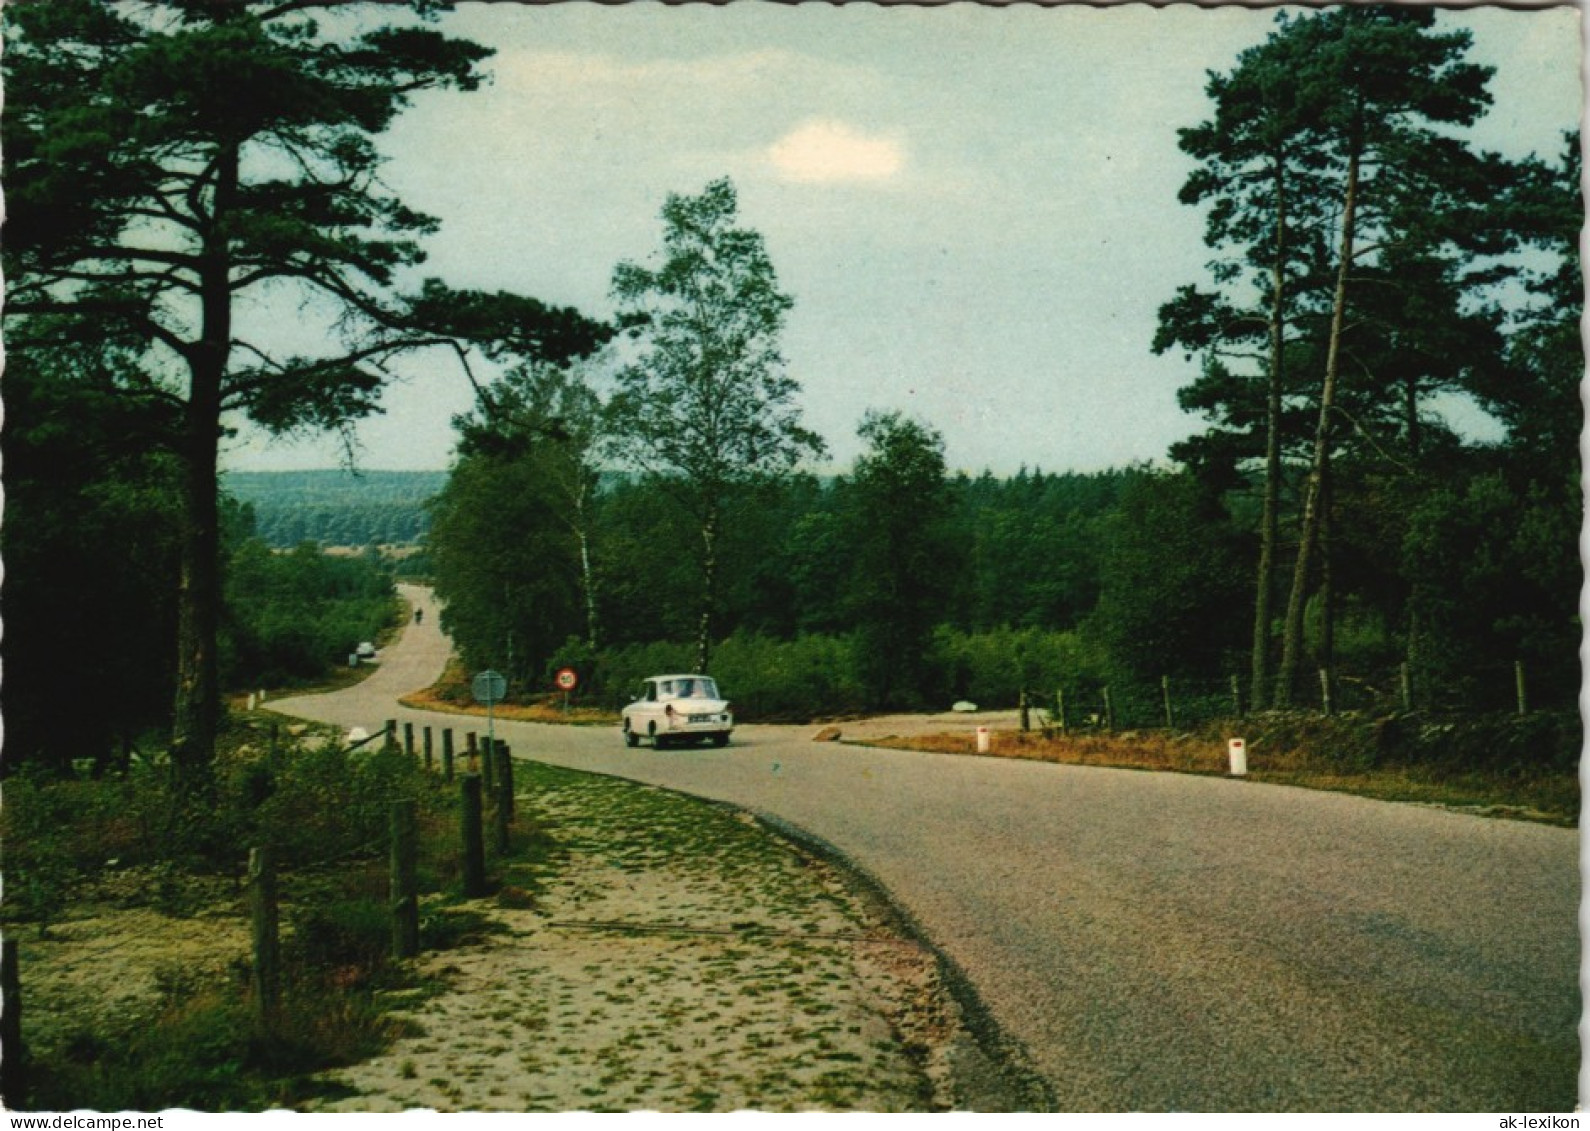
x: 568, y: 679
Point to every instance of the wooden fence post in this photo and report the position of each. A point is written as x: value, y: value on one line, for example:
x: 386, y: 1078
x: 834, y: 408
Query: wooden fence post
x: 1164, y: 694
x: 502, y: 804
x: 1060, y: 708
x: 488, y: 766
x: 499, y: 826
x: 430, y: 755
x: 470, y: 751
x: 391, y: 736
x: 447, y: 754
x: 1109, y: 711
x: 404, y: 890
x: 1326, y: 705
x: 1026, y: 713
x: 13, y: 1056
x: 473, y: 836
x: 264, y: 920
x: 408, y: 739
x: 505, y: 777
x: 1521, y: 686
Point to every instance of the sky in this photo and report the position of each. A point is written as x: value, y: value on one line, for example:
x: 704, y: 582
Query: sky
x: 974, y: 208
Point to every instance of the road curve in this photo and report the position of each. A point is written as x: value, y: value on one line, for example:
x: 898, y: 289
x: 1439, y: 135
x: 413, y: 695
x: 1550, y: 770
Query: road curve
x: 1163, y: 942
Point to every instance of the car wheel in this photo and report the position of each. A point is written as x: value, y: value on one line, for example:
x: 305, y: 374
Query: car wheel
x: 630, y: 737
x: 720, y: 740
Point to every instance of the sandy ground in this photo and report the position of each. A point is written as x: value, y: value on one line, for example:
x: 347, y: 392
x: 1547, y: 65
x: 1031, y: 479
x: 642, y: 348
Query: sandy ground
x: 703, y: 978
x: 742, y: 973
x: 669, y: 983
x: 915, y: 726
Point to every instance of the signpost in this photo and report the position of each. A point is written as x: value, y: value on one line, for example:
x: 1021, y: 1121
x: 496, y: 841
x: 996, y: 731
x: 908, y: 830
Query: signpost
x: 567, y: 679
x: 490, y: 687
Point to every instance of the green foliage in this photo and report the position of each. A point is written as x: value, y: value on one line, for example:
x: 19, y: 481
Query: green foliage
x: 327, y: 803
x: 709, y: 400
x: 620, y: 670
x: 992, y: 668
x: 90, y: 546
x: 337, y: 508
x: 1171, y: 581
x: 790, y: 680
x: 166, y: 163
x: 505, y: 559
x: 1495, y: 578
x: 819, y: 675
x: 707, y: 406
x: 348, y: 934
x: 201, y: 1046
x: 203, y: 1050
x: 904, y: 557
x: 1368, y: 259
x: 294, y: 617
x: 1035, y: 544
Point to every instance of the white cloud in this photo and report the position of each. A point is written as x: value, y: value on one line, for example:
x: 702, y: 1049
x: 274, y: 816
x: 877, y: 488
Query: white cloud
x: 826, y: 151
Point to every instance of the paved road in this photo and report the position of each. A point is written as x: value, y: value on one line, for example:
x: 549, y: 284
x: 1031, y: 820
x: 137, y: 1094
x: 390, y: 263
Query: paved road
x: 1166, y: 942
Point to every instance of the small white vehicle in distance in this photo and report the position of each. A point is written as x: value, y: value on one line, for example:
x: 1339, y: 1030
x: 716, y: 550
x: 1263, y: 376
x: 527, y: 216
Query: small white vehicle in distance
x: 678, y: 709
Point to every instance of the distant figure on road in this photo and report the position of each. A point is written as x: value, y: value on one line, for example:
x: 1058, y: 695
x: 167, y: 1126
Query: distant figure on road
x: 419, y: 615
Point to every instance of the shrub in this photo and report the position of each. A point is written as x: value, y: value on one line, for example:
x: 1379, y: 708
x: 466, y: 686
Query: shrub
x: 326, y: 802
x: 789, y: 680
x: 205, y: 1051
x: 352, y: 938
x: 993, y: 668
x: 619, y: 671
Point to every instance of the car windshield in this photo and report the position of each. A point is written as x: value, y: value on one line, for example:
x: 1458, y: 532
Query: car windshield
x: 697, y: 687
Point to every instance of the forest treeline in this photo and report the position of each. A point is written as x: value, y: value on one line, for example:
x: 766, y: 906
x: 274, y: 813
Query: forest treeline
x: 1368, y: 266
x: 636, y: 493
x: 339, y: 508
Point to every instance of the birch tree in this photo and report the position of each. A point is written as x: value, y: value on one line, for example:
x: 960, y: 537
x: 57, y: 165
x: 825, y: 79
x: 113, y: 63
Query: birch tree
x: 706, y: 406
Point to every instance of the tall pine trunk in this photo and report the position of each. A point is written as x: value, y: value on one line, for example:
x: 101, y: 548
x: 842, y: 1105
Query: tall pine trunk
x: 1269, y: 526
x: 1317, y: 492
x: 1413, y: 645
x: 196, y: 713
x: 197, y: 710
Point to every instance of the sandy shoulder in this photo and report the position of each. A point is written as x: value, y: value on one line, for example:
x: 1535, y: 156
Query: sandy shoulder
x: 657, y: 980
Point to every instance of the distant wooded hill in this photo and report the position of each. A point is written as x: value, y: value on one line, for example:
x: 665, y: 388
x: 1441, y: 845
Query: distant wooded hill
x: 335, y: 507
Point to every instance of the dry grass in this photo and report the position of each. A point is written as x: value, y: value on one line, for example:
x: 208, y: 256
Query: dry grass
x: 451, y: 695
x: 1550, y: 798
x: 1138, y: 751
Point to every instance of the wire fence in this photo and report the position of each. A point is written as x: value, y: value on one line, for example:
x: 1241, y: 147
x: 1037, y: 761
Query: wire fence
x: 1505, y: 687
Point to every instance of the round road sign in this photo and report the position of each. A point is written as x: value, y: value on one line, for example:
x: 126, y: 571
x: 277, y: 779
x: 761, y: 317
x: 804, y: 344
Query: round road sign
x: 489, y: 687
x: 568, y: 679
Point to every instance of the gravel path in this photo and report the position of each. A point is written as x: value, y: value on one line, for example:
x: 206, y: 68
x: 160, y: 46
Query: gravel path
x: 1168, y: 942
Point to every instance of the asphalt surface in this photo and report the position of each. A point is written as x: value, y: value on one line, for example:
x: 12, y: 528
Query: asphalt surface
x: 1163, y: 942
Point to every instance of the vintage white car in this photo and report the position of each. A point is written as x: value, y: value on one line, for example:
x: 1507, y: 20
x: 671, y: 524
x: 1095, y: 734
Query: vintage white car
x: 678, y: 709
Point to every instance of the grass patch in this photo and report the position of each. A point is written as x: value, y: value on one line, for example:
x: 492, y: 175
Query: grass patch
x: 1511, y: 767
x: 154, y: 884
x: 204, y: 1049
